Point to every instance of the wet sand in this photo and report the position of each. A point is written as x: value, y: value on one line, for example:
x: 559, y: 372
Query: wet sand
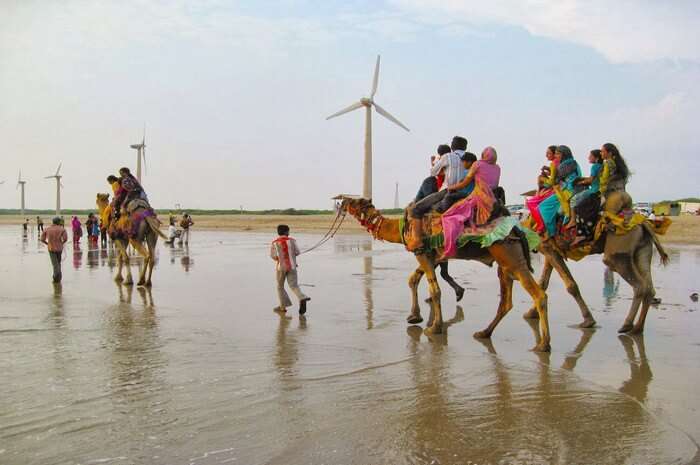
x: 685, y: 229
x: 201, y: 371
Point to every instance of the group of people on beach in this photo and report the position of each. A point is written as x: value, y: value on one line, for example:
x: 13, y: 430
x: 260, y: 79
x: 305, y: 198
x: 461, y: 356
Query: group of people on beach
x: 465, y: 189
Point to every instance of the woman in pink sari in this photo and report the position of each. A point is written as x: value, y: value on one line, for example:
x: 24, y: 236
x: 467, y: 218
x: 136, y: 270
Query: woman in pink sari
x: 476, y: 208
x: 544, y: 189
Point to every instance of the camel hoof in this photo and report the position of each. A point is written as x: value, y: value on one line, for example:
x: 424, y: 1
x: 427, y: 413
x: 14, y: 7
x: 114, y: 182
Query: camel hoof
x: 460, y: 294
x: 430, y: 330
x: 149, y: 284
x: 626, y: 328
x: 118, y: 279
x: 482, y: 335
x: 141, y: 283
x: 414, y: 319
x: 429, y: 300
x: 637, y: 330
x: 129, y: 282
x: 587, y: 323
x: 531, y: 314
x: 542, y: 347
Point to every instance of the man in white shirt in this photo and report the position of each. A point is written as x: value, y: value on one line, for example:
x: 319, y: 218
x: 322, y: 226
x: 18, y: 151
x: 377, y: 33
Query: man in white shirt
x: 454, y: 173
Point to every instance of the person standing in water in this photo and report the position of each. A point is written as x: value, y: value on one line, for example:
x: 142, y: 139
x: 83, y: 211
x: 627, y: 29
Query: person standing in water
x: 55, y: 236
x: 39, y: 224
x: 284, y: 251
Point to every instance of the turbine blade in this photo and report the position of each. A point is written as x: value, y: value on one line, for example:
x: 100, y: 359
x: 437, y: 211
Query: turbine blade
x: 19, y: 178
x: 352, y: 107
x: 143, y: 153
x: 375, y: 82
x: 388, y: 116
x: 58, y: 169
x: 143, y: 142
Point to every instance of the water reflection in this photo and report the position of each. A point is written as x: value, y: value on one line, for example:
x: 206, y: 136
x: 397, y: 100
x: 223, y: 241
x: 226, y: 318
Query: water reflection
x: 611, y: 287
x: 367, y: 286
x: 640, y: 371
x: 77, y: 257
x: 93, y: 255
x: 550, y: 402
x: 139, y: 392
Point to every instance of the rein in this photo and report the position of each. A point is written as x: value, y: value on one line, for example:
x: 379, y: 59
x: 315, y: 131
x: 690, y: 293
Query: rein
x: 330, y: 233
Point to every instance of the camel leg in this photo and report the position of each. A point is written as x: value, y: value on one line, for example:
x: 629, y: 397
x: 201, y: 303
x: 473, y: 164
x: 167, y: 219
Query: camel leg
x: 445, y: 274
x: 572, y: 288
x: 623, y: 265
x: 428, y: 267
x: 120, y: 264
x: 544, y: 284
x: 643, y: 259
x: 540, y: 298
x: 415, y: 318
x: 504, y: 306
x: 146, y: 258
x: 152, y: 241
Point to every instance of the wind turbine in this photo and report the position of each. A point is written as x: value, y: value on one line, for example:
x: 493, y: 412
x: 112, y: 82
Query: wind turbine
x: 368, y: 103
x: 140, y: 153
x: 20, y: 184
x: 58, y: 188
x: 396, y: 196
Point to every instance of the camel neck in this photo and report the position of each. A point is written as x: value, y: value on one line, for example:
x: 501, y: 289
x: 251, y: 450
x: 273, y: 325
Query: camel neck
x: 381, y: 227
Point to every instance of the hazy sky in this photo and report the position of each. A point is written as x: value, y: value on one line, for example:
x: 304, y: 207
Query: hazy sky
x: 235, y: 94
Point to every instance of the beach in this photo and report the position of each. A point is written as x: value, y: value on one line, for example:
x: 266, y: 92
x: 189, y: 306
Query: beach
x: 684, y: 230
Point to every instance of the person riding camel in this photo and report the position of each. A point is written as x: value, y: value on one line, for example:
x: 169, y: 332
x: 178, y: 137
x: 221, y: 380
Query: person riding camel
x: 130, y: 190
x: 455, y: 172
x: 567, y: 172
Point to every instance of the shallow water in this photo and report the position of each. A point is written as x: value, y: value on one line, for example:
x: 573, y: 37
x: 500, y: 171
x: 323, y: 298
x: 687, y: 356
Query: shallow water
x: 201, y: 371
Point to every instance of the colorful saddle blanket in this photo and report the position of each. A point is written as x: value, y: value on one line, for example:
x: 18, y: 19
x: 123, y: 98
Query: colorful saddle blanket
x: 485, y: 235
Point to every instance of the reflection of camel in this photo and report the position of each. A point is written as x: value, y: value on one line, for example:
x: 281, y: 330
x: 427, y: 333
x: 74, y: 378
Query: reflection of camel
x: 147, y: 233
x: 509, y: 254
x: 544, y: 407
x: 640, y: 372
x: 629, y: 255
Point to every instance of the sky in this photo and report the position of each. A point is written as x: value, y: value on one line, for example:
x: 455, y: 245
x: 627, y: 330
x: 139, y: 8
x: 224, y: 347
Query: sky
x: 234, y: 94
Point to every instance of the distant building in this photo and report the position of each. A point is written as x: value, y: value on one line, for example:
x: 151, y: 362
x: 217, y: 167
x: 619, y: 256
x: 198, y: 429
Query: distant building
x: 689, y: 207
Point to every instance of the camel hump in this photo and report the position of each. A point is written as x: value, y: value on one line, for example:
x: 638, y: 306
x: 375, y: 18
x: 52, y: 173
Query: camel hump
x: 617, y: 201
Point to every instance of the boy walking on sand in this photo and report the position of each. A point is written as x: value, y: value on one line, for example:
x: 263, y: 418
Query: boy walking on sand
x: 284, y: 251
x: 54, y: 237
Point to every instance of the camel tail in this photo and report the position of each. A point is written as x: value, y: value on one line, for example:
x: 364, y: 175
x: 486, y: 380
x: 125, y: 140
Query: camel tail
x: 155, y: 226
x: 657, y: 244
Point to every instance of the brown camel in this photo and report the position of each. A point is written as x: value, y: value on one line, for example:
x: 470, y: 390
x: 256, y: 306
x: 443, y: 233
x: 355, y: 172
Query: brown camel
x: 629, y: 255
x: 512, y: 260
x: 147, y: 233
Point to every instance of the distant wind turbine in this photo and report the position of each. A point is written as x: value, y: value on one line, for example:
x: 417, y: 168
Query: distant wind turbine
x: 396, y: 196
x: 140, y: 153
x: 20, y: 184
x: 58, y: 188
x: 368, y: 103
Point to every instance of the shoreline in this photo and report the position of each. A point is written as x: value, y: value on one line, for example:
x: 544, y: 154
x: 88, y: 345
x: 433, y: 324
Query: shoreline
x: 685, y: 230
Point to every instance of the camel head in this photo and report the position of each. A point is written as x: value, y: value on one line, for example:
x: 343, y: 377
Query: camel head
x: 356, y: 206
x: 371, y: 218
x: 102, y: 201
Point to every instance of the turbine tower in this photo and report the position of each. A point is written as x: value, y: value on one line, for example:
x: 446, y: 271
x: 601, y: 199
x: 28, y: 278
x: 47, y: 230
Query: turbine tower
x: 20, y: 185
x: 368, y: 103
x: 140, y: 153
x: 58, y: 188
x: 396, y: 196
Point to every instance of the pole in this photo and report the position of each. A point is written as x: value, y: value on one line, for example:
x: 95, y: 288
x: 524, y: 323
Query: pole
x: 367, y: 178
x: 138, y: 164
x: 22, y: 210
x: 58, y: 196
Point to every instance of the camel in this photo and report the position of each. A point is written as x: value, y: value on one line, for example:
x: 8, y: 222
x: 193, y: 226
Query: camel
x: 510, y: 255
x: 148, y: 232
x: 629, y: 255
